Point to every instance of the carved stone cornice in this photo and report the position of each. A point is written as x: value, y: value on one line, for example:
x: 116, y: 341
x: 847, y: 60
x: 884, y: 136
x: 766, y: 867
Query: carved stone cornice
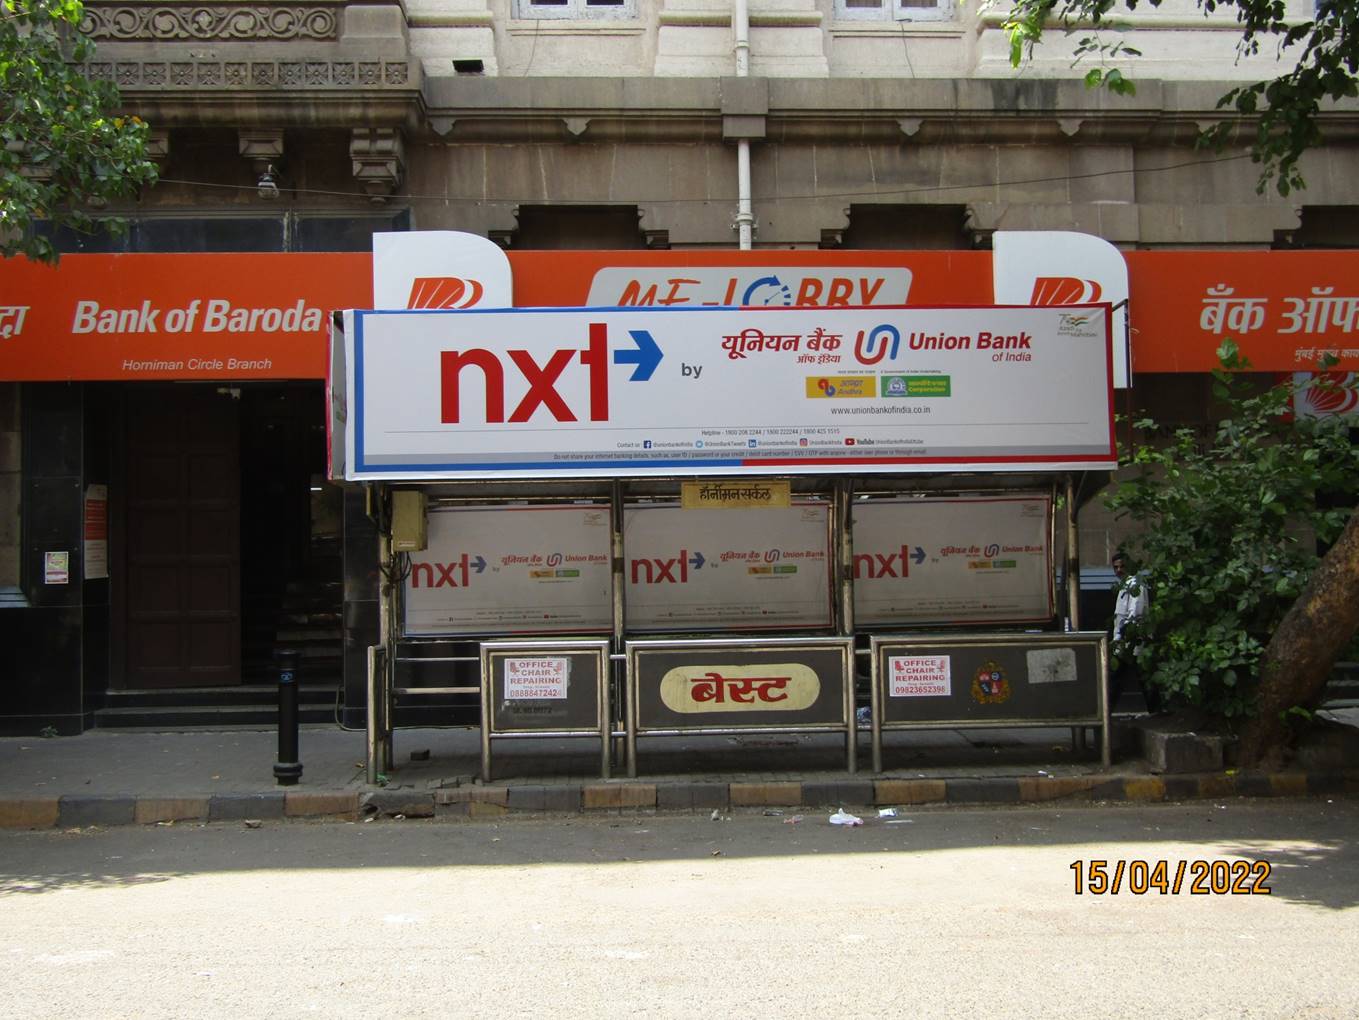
x: 165, y: 22
x: 251, y: 74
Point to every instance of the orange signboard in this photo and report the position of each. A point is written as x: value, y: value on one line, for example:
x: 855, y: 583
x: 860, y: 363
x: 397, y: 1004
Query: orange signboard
x: 264, y: 316
x: 687, y: 279
x: 1283, y: 309
x: 144, y: 317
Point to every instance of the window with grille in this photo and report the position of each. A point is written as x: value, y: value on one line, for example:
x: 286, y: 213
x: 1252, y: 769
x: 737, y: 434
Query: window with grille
x: 531, y: 10
x: 894, y: 10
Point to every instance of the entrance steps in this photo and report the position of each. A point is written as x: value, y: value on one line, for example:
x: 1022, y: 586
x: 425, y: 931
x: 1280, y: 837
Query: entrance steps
x: 255, y: 705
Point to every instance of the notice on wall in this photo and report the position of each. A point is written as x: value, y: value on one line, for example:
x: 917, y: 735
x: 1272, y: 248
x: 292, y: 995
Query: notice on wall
x: 56, y: 568
x: 512, y: 570
x: 727, y: 569
x: 953, y: 560
x: 919, y: 676
x: 538, y: 678
x: 96, y: 531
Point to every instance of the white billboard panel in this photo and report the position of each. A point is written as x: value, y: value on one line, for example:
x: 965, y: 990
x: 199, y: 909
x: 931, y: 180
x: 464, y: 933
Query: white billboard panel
x: 512, y: 570
x: 727, y: 569
x: 953, y: 560
x: 713, y: 391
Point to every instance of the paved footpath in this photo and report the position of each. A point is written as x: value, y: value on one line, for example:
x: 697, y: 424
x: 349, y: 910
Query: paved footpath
x: 106, y: 777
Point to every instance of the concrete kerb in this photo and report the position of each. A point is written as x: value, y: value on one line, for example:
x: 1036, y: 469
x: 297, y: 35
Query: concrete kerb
x: 682, y: 796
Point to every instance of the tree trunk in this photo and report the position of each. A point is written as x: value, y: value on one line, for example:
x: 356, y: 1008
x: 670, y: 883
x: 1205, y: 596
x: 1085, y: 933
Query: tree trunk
x: 1296, y: 665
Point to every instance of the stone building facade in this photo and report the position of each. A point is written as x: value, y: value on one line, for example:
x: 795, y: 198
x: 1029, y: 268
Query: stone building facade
x: 619, y: 124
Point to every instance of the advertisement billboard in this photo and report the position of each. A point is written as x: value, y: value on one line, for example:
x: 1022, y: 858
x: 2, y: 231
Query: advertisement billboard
x: 620, y: 392
x: 953, y: 560
x: 727, y: 569
x: 511, y: 570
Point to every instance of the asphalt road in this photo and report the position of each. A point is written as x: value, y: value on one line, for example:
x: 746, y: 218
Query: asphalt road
x: 944, y: 912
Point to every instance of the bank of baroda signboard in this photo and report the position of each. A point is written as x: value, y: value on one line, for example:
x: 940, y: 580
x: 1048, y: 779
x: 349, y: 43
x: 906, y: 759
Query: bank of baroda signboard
x: 625, y: 392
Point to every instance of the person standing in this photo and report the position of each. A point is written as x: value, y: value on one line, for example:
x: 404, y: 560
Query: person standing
x: 1130, y: 606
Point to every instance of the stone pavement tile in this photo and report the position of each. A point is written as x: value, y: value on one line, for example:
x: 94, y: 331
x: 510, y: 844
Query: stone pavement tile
x: 1253, y: 784
x: 1109, y: 789
x: 170, y: 809
x: 320, y: 804
x: 1217, y: 786
x: 33, y: 813
x: 472, y: 795
x: 683, y: 796
x: 1042, y: 788
x: 530, y: 797
x: 1289, y: 784
x: 835, y: 793
x: 619, y: 795
x: 1144, y: 789
x: 1181, y: 787
x: 765, y: 794
x: 235, y: 807
x: 78, y: 812
x: 982, y: 791
x: 398, y: 802
x: 909, y: 791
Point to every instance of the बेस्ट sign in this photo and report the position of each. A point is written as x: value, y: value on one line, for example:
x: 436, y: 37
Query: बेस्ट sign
x: 784, y: 683
x: 512, y: 570
x: 612, y: 392
x: 727, y: 569
x: 948, y: 560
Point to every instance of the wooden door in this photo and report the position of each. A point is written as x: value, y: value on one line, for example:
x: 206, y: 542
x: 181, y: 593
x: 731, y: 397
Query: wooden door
x: 182, y: 528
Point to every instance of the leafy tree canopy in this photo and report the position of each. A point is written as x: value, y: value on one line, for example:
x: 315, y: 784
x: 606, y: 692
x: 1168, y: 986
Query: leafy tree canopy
x: 1326, y: 49
x: 64, y: 152
x: 1228, y: 523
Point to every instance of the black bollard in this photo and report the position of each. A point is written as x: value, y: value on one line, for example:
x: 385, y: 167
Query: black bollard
x: 288, y: 769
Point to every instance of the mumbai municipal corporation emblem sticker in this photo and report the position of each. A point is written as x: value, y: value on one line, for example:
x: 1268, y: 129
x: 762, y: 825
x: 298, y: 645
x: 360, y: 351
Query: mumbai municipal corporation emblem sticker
x: 989, y: 685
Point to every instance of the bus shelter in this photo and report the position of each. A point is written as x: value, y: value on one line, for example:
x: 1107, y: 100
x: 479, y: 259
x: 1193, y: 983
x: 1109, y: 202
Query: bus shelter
x: 627, y: 524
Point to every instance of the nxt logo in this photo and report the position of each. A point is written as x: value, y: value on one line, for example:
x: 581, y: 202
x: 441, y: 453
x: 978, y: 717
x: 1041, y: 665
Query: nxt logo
x: 662, y: 571
x: 446, y: 575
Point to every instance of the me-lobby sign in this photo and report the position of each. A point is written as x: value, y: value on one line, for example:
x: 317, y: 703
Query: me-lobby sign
x: 612, y: 392
x: 265, y: 316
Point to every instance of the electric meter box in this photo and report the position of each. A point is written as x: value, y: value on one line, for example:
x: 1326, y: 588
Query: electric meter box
x: 409, y: 530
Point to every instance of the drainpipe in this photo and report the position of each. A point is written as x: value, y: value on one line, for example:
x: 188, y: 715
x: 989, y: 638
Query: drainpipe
x: 745, y: 219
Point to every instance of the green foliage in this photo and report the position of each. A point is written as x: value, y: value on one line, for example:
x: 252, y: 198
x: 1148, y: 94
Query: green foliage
x: 1225, y: 543
x: 63, y: 151
x: 1285, y: 108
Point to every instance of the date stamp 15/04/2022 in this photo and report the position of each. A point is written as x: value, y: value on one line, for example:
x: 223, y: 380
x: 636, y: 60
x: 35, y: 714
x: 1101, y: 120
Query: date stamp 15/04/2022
x: 1196, y: 877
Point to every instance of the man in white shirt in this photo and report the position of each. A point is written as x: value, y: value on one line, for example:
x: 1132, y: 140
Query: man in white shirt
x: 1130, y: 605
x: 1131, y: 601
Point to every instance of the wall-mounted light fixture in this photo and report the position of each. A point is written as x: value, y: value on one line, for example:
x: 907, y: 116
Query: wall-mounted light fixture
x: 267, y: 185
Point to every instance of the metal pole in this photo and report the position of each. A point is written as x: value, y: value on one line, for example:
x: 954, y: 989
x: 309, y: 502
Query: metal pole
x: 1073, y: 558
x: 624, y: 750
x: 374, y: 693
x: 843, y: 578
x: 288, y: 769
x: 745, y: 218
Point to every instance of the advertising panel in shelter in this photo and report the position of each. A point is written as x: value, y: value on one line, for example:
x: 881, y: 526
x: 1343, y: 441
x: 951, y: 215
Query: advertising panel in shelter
x: 727, y: 568
x: 511, y: 570
x: 953, y: 560
x: 616, y: 392
x: 990, y: 679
